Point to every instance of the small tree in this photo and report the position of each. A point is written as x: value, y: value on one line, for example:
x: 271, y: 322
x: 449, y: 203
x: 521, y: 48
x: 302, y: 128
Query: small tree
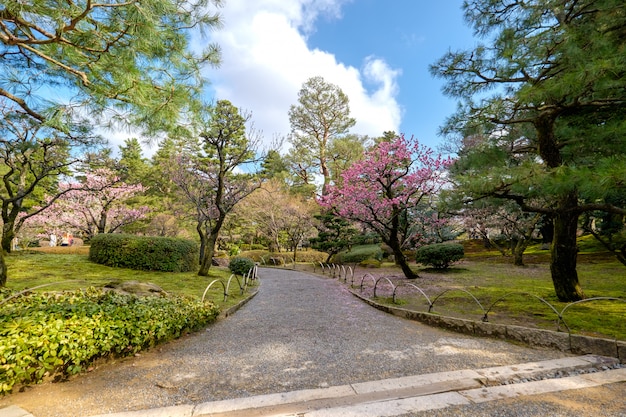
x: 382, y: 191
x: 209, y: 179
x: 334, y: 234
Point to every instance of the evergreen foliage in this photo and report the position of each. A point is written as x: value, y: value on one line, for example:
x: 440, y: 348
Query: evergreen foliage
x: 439, y: 255
x: 144, y: 252
x: 240, y: 265
x: 59, y: 334
x: 541, y: 118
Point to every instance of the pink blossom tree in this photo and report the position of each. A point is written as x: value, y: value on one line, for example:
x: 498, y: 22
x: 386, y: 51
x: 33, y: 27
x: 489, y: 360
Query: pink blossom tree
x: 98, y: 204
x: 390, y: 191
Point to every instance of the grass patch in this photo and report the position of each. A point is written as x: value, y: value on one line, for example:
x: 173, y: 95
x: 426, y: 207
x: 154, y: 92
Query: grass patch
x: 62, y: 269
x: 516, y: 292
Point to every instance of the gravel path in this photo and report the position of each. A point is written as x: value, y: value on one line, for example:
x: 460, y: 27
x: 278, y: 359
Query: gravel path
x: 300, y: 331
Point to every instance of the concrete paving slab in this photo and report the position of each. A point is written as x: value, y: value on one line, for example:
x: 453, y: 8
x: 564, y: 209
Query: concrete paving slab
x: 269, y: 400
x: 174, y: 411
x: 607, y: 377
x: 14, y: 411
x: 499, y: 374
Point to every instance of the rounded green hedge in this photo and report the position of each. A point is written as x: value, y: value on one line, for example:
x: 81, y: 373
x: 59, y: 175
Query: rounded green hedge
x: 147, y: 253
x: 359, y: 254
x: 240, y: 265
x: 439, y: 255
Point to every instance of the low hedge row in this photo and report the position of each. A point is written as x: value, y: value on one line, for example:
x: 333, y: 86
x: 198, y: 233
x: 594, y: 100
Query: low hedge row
x: 240, y: 265
x: 359, y: 254
x: 265, y: 256
x: 58, y: 334
x: 146, y: 253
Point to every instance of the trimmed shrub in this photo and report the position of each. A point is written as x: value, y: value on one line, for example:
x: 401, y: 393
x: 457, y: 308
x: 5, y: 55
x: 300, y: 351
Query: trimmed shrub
x: 59, y: 334
x: 145, y: 253
x: 370, y: 263
x: 439, y: 255
x: 240, y: 265
x: 256, y: 255
x: 359, y: 254
x: 264, y: 256
x: 310, y: 255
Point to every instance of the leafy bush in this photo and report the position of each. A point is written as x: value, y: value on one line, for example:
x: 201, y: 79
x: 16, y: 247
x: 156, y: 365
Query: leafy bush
x: 310, y: 256
x: 359, y: 254
x: 370, y: 263
x: 439, y: 255
x: 144, y: 252
x: 263, y: 256
x: 58, y: 334
x: 240, y: 265
x: 256, y: 255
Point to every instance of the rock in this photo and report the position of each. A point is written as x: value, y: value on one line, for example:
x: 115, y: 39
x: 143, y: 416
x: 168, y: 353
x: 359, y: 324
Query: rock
x: 141, y: 289
x: 220, y: 262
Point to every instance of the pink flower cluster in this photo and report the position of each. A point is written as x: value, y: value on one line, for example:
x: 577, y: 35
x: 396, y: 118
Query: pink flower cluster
x: 393, y: 178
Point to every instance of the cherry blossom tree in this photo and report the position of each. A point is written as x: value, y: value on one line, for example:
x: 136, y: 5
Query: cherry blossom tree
x: 388, y: 191
x: 98, y: 204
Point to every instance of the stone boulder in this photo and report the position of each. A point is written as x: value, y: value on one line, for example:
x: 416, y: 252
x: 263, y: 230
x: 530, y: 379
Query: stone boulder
x: 140, y: 289
x: 220, y: 262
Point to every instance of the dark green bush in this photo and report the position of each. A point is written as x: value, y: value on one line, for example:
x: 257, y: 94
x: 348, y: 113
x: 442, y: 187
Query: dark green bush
x: 50, y: 334
x: 359, y: 254
x: 240, y: 265
x: 145, y: 253
x: 439, y: 255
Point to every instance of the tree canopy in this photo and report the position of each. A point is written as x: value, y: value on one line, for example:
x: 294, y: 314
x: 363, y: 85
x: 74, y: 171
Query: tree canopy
x: 207, y: 174
x: 322, y: 114
x: 125, y: 61
x: 388, y: 191
x: 541, y: 115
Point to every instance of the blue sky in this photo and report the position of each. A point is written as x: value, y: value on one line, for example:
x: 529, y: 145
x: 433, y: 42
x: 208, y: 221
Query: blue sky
x: 409, y: 35
x: 378, y: 52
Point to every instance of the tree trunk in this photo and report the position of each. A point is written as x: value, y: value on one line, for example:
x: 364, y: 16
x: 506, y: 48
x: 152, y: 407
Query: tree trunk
x: 209, y: 251
x: 203, y: 240
x: 401, y: 260
x: 7, y: 237
x: 564, y: 251
x: 3, y: 270
x: 518, y: 251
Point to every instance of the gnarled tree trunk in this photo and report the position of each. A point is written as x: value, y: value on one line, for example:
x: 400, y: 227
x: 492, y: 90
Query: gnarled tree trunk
x: 564, y: 251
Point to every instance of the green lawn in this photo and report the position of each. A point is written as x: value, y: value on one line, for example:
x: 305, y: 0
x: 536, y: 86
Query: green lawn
x: 72, y: 270
x: 512, y: 294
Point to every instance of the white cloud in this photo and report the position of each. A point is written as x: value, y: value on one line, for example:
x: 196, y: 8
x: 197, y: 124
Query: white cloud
x: 266, y: 59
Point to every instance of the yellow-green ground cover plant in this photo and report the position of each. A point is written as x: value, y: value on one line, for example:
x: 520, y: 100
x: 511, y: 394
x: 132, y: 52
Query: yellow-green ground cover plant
x: 56, y: 319
x: 59, y: 333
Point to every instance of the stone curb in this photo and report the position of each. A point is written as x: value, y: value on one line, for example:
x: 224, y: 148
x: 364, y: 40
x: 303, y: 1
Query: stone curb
x: 565, y: 342
x: 237, y: 306
x: 395, y: 396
